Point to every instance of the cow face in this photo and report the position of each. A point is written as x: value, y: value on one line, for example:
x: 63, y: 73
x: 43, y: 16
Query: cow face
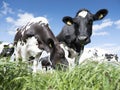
x: 83, y: 22
x: 58, y: 58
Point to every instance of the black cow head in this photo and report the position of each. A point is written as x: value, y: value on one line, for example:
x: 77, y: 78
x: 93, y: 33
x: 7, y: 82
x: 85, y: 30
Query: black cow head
x: 83, y: 22
x: 58, y: 58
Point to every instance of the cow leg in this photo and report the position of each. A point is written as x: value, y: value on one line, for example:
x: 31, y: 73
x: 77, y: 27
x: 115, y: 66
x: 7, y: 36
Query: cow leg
x: 37, y: 64
x: 77, y: 58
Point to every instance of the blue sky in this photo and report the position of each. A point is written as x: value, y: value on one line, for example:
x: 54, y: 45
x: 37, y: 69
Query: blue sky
x: 106, y: 33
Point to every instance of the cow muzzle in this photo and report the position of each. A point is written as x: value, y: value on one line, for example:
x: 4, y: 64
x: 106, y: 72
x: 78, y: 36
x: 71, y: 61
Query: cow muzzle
x: 83, y: 40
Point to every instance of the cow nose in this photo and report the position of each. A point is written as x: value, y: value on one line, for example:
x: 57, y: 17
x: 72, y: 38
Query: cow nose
x: 82, y: 38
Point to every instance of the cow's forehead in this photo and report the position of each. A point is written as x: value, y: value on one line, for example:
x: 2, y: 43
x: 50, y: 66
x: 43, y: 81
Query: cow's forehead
x: 83, y: 13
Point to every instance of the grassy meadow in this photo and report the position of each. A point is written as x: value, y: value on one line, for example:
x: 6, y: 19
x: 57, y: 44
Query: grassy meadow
x: 89, y: 75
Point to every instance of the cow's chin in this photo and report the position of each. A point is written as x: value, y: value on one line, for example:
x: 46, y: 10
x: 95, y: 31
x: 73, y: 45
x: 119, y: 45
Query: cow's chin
x: 82, y: 43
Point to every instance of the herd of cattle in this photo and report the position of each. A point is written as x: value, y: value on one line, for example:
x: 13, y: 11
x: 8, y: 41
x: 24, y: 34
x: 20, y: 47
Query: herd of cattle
x: 36, y: 42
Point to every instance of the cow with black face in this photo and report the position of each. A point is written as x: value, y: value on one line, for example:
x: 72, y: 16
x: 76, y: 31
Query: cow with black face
x: 78, y: 30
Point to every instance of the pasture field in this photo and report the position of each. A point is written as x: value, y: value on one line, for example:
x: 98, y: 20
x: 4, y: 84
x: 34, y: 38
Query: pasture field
x: 89, y: 75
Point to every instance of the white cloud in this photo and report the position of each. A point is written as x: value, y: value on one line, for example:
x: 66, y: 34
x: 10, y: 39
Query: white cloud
x: 10, y: 20
x: 109, y: 45
x: 6, y: 9
x: 104, y: 24
x: 98, y: 27
x: 100, y: 33
x: 22, y: 19
x: 117, y: 23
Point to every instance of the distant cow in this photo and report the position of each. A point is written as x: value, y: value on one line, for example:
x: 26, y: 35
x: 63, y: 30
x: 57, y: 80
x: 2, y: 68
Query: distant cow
x: 6, y: 49
x: 34, y: 38
x: 78, y: 30
x: 97, y: 54
x: 111, y: 57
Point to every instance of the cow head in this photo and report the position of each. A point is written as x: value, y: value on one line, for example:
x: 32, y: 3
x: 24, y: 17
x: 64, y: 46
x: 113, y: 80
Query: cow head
x: 57, y: 56
x: 83, y: 22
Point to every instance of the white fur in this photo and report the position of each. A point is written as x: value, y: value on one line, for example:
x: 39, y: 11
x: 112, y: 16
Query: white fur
x: 83, y: 14
x: 25, y: 50
x: 39, y: 20
x: 71, y: 60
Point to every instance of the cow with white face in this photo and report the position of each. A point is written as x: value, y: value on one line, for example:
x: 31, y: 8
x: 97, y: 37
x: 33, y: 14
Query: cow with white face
x: 34, y: 38
x: 78, y: 30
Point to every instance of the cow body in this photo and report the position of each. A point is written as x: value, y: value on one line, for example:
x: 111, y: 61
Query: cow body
x: 34, y: 38
x: 78, y: 30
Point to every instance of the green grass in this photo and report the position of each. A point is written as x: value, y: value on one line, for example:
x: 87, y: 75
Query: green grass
x: 90, y: 75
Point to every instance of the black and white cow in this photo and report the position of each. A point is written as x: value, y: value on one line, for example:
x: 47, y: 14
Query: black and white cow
x: 78, y: 30
x: 111, y: 57
x: 6, y: 49
x: 34, y: 38
x: 98, y: 54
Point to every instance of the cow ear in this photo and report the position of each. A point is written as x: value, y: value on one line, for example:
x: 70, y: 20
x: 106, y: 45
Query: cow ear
x: 68, y: 20
x: 100, y: 14
x: 50, y: 43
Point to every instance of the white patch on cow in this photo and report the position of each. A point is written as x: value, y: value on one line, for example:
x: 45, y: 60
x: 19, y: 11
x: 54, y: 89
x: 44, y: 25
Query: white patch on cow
x: 25, y: 50
x: 32, y: 46
x: 83, y: 14
x: 39, y: 20
x: 71, y: 60
x: 45, y: 54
